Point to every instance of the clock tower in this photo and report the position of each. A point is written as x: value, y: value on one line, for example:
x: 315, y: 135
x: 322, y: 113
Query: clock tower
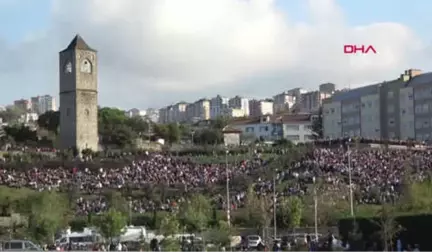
x: 78, y: 96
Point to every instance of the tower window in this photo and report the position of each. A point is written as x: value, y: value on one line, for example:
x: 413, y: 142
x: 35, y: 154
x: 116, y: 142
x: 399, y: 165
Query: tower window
x: 86, y: 66
x: 87, y: 112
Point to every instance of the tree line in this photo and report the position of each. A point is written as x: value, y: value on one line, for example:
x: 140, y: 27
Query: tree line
x: 115, y: 129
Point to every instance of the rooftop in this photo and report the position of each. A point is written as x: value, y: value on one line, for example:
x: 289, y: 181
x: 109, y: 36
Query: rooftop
x: 278, y: 118
x: 78, y: 43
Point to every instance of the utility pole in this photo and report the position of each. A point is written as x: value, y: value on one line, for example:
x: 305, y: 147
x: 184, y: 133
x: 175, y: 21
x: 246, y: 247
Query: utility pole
x: 315, y: 208
x: 274, y: 206
x: 227, y: 189
x: 350, y: 180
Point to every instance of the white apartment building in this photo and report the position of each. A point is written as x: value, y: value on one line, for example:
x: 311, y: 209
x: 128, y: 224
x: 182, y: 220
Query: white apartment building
x: 260, y: 107
x: 43, y: 104
x: 296, y: 128
x: 283, y: 102
x: 152, y: 114
x: 233, y: 112
x: 238, y: 102
x: 397, y: 109
x: 179, y: 112
x: 217, y: 105
x: 135, y: 112
x: 198, y: 111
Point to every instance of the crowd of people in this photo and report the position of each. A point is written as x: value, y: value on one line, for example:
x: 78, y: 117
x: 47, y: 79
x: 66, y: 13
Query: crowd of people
x: 376, y: 176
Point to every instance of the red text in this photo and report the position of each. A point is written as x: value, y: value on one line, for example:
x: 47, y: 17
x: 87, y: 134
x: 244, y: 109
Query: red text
x: 364, y: 49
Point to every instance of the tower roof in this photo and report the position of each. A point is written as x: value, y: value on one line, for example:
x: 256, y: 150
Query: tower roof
x: 78, y: 43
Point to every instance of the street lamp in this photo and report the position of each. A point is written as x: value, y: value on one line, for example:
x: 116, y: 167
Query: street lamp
x: 274, y: 205
x: 350, y: 179
x: 315, y: 207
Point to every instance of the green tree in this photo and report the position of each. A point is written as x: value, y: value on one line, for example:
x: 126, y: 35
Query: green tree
x: 21, y: 133
x: 220, y: 235
x: 258, y: 210
x: 389, y: 228
x: 170, y: 226
x: 50, y: 121
x: 220, y: 122
x: 11, y: 114
x: 111, y: 224
x: 208, y: 137
x: 48, y: 212
x: 117, y: 202
x: 196, y: 213
x: 290, y: 211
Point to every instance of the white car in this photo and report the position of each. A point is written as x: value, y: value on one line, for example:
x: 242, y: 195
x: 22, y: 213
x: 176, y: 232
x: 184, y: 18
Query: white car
x: 253, y: 240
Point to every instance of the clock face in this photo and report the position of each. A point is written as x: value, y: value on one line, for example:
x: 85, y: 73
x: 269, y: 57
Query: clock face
x: 68, y: 67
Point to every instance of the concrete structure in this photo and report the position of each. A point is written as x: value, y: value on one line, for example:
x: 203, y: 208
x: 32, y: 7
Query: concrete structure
x: 231, y: 136
x: 217, y: 105
x: 238, y: 102
x: 232, y: 112
x: 43, y: 104
x: 397, y: 109
x: 260, y: 107
x: 23, y: 104
x: 198, y: 111
x: 311, y: 102
x: 153, y: 114
x: 283, y: 102
x: 179, y: 112
x: 296, y: 128
x: 78, y: 96
x: 135, y: 112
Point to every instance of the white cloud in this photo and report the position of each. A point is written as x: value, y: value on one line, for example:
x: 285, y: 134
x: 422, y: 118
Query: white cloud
x: 152, y: 50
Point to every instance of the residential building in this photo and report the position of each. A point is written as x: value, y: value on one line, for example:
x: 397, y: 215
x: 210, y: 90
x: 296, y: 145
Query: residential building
x: 311, y: 102
x: 152, y: 114
x: 135, y: 112
x: 397, y: 109
x: 260, y: 107
x: 233, y: 112
x: 198, y: 111
x: 165, y: 115
x: 179, y: 112
x: 294, y: 127
x: 23, y: 104
x: 238, y: 102
x: 283, y: 102
x: 217, y: 105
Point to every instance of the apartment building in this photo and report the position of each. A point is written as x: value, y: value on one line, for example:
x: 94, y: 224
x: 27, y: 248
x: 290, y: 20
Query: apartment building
x: 260, y: 107
x: 198, y: 111
x: 397, y: 109
x: 238, y: 102
x: 135, y: 112
x: 179, y: 112
x: 166, y: 114
x: 310, y: 102
x: 283, y: 102
x: 296, y: 128
x: 152, y: 114
x: 23, y: 104
x: 42, y: 104
x: 218, y: 105
x: 233, y: 112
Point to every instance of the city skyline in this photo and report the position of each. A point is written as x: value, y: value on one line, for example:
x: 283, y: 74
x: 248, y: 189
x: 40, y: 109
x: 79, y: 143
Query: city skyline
x: 190, y: 50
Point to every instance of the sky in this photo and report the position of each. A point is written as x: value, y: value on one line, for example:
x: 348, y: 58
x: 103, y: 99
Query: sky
x: 155, y: 53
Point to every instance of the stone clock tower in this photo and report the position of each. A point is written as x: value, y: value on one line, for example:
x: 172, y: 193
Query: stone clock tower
x: 78, y: 96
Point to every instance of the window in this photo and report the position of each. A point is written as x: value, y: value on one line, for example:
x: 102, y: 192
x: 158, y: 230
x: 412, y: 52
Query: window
x: 293, y: 137
x: 418, y: 109
x: 68, y: 112
x: 418, y: 125
x: 292, y: 127
x: 13, y: 245
x: 391, y: 121
x: 390, y: 95
x: 263, y: 128
x: 390, y: 108
x: 249, y: 129
x: 425, y: 108
x: 86, y: 66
